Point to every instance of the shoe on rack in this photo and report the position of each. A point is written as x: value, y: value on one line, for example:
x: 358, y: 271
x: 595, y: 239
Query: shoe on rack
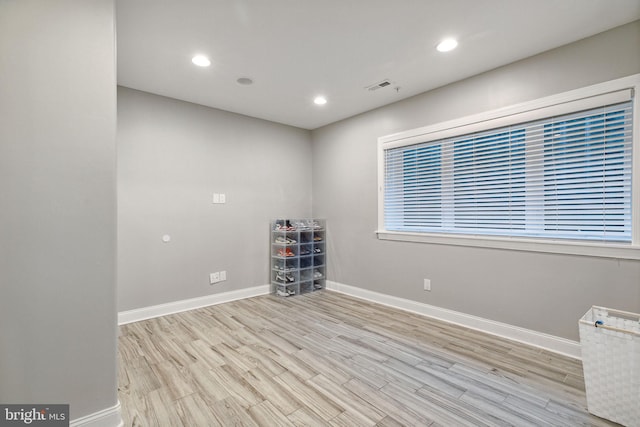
x: 301, y: 226
x: 317, y: 274
x: 284, y: 227
x: 285, y: 252
x: 284, y: 278
x: 317, y: 250
x: 285, y: 240
x: 317, y: 239
x: 305, y: 251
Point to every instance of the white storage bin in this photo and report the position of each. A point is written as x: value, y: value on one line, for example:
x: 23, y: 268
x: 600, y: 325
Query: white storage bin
x: 610, y: 341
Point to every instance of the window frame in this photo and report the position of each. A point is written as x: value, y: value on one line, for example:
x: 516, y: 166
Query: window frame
x: 521, y: 112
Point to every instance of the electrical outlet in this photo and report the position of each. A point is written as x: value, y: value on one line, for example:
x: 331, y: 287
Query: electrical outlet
x: 223, y: 198
x: 223, y: 275
x: 214, y: 277
x: 427, y: 284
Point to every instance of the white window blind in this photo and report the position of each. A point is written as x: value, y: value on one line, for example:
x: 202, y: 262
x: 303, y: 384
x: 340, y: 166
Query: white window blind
x: 565, y: 176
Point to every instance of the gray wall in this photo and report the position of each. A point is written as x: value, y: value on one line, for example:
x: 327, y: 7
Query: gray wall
x: 172, y: 157
x: 542, y: 292
x: 58, y: 203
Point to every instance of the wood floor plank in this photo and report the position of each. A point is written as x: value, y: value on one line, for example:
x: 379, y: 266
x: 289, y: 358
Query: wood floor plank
x: 162, y: 409
x: 320, y: 404
x: 206, y: 384
x: 327, y: 359
x: 352, y: 403
x: 282, y: 399
x: 499, y: 410
x: 193, y: 411
x: 266, y: 414
x: 351, y: 419
x: 304, y: 417
x: 236, y: 386
x: 408, y: 401
x: 389, y: 421
x: 231, y: 412
x: 381, y: 401
x: 173, y: 378
x: 330, y: 368
x: 205, y: 352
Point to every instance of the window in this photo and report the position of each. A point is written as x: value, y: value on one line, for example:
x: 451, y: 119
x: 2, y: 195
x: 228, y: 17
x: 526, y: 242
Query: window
x: 557, y: 171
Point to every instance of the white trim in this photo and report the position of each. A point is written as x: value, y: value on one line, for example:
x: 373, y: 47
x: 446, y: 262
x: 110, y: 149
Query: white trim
x: 548, y: 342
x: 518, y: 244
x: 585, y: 94
x: 408, y: 136
x: 150, y: 312
x: 110, y: 417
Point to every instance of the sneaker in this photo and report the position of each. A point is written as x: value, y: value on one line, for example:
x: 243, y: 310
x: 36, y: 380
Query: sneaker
x: 302, y: 226
x: 305, y: 251
x: 317, y: 239
x: 317, y: 250
x: 317, y: 285
x: 284, y: 227
x: 284, y: 278
x: 315, y: 225
x: 285, y: 292
x: 285, y: 240
x: 285, y: 252
x: 317, y: 274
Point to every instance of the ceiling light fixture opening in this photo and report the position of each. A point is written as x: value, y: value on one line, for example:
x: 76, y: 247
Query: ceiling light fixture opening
x: 201, y: 61
x: 320, y: 100
x: 447, y: 45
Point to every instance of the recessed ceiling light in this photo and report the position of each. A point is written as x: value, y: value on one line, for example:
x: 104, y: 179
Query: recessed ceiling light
x: 201, y: 61
x: 447, y: 45
x: 245, y: 81
x: 320, y: 100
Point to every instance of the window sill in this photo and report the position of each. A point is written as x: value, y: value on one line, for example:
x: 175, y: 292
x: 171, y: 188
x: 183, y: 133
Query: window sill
x: 617, y: 251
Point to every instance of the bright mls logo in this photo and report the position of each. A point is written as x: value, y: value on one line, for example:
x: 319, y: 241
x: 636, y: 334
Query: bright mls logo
x: 34, y: 415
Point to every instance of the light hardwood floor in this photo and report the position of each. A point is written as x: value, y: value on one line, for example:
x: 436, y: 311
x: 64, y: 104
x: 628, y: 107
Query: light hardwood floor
x: 329, y: 359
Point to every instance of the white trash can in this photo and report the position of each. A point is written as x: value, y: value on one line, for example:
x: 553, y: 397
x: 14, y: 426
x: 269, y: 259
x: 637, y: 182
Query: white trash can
x: 610, y: 341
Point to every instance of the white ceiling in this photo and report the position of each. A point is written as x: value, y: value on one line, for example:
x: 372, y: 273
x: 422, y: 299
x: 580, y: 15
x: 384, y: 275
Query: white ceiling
x: 294, y: 50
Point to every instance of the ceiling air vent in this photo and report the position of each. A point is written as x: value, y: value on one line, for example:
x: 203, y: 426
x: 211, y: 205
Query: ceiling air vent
x: 379, y: 85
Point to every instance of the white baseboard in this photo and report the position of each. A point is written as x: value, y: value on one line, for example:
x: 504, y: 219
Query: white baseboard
x: 144, y: 313
x: 110, y: 417
x: 537, y: 339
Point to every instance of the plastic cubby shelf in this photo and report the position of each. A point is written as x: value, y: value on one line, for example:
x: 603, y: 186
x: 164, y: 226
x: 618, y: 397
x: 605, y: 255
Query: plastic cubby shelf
x: 298, y: 256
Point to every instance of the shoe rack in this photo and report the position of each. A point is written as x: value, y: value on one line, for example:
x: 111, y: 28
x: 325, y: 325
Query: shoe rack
x: 298, y: 256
